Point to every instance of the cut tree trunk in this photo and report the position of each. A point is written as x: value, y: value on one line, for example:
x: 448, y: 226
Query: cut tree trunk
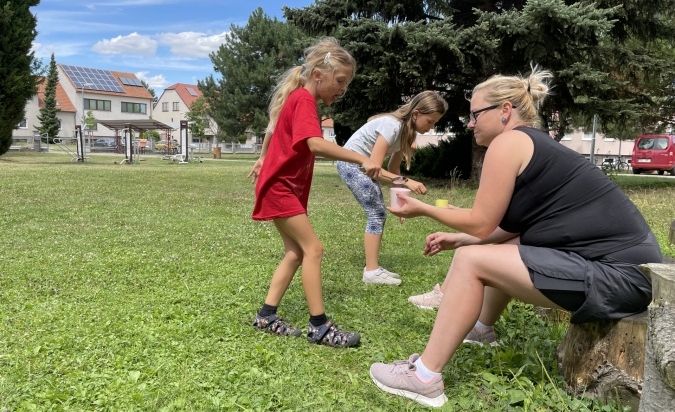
x: 605, y: 359
x: 659, y: 382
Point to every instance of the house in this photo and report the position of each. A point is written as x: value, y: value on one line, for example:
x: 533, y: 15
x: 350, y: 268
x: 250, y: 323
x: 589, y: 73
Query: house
x: 66, y: 113
x: 173, y: 105
x: 109, y: 95
x: 581, y: 140
x: 328, y: 129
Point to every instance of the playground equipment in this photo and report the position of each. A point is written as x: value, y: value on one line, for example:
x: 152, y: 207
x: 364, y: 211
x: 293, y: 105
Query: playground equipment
x: 78, y: 154
x: 186, y: 150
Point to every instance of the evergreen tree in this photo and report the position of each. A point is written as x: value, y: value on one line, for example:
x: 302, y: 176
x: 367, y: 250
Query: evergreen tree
x: 17, y: 65
x: 611, y: 58
x: 248, y: 63
x: 49, y: 122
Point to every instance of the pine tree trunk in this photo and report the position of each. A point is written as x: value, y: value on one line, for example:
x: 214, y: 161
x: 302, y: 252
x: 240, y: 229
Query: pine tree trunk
x: 477, y: 157
x: 605, y: 359
x: 659, y: 383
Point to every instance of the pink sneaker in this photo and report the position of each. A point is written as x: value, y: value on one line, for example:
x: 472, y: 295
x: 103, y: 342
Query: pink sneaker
x: 400, y: 379
x: 429, y: 300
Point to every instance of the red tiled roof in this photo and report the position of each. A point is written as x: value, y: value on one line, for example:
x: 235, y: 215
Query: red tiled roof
x: 63, y: 103
x: 185, y: 96
x: 326, y: 122
x: 131, y: 91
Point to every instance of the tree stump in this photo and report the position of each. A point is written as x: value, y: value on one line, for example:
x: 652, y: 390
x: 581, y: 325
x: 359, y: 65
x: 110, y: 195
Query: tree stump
x: 605, y: 359
x: 659, y: 376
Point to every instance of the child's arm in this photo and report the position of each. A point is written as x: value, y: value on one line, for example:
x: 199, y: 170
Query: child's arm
x: 255, y: 171
x: 394, y: 165
x: 321, y: 147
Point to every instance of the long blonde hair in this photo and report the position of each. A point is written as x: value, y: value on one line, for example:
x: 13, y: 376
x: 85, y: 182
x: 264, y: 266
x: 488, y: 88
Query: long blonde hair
x: 526, y: 94
x: 326, y: 56
x: 426, y: 102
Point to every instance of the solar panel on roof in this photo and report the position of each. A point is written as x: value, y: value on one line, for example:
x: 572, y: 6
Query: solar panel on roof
x: 92, y: 79
x: 191, y: 91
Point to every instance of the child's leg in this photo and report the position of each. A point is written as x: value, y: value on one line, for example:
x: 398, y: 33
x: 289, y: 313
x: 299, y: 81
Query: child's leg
x: 283, y: 275
x: 371, y: 244
x: 299, y: 230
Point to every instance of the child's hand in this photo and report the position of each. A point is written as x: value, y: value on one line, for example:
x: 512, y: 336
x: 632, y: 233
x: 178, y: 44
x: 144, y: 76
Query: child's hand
x: 255, y: 171
x: 415, y: 186
x: 370, y: 168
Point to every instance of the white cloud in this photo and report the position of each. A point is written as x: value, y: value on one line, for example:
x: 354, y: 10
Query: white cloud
x: 60, y: 49
x: 131, y: 44
x: 192, y: 44
x: 155, y: 82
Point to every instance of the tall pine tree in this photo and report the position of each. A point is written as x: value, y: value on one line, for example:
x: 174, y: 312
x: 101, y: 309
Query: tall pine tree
x: 248, y: 63
x: 612, y: 58
x: 17, y: 65
x: 49, y: 122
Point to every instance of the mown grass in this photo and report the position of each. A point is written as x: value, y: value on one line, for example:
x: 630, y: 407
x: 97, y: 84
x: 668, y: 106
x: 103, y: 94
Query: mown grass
x: 133, y: 287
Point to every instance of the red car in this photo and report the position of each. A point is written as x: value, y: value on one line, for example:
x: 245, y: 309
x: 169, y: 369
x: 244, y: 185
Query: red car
x: 654, y: 152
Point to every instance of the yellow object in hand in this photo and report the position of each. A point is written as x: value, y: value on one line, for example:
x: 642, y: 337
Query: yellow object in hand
x: 441, y: 202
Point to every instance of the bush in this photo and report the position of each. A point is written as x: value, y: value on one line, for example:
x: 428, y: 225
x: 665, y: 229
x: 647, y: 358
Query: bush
x: 447, y: 160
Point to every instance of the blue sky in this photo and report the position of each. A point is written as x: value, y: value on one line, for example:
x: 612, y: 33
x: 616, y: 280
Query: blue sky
x: 161, y: 41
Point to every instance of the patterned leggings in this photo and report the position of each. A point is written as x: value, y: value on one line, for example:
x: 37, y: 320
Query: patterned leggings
x: 368, y: 193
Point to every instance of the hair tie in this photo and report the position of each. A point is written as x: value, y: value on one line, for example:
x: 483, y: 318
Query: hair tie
x: 304, y: 67
x: 325, y: 59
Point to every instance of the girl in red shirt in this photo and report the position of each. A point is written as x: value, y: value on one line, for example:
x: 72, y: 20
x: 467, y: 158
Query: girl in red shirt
x: 283, y: 176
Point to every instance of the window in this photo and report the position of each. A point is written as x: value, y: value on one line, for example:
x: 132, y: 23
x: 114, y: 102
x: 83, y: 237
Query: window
x: 128, y: 107
x: 175, y: 106
x: 587, y: 135
x: 22, y: 124
x: 93, y: 104
x: 567, y: 137
x: 60, y: 128
x: 165, y: 106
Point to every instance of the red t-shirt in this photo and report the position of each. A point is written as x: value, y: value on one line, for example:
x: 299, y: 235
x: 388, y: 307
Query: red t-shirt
x: 285, y: 178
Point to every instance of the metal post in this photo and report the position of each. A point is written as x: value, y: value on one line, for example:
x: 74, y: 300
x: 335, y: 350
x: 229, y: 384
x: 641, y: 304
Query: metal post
x: 595, y: 121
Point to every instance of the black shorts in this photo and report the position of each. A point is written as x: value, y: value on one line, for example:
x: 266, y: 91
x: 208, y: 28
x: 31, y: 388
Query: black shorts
x: 610, y: 287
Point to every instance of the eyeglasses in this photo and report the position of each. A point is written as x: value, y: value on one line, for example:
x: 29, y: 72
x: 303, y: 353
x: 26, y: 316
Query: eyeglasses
x: 473, y: 116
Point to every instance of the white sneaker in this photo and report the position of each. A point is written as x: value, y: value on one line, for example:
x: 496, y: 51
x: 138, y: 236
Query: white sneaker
x: 429, y: 300
x: 381, y: 276
x: 392, y: 274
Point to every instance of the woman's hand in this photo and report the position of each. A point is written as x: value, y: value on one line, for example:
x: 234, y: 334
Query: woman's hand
x: 415, y: 186
x: 411, y: 208
x: 255, y: 171
x: 439, y: 241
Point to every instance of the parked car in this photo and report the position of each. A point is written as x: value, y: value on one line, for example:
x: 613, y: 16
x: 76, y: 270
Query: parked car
x: 654, y: 152
x: 104, y: 142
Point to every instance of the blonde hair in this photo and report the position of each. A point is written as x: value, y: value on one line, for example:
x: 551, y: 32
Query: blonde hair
x: 526, y: 94
x: 326, y: 56
x: 426, y: 102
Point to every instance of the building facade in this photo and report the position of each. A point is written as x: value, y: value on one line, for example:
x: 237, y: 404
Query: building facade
x: 108, y: 95
x: 173, y: 105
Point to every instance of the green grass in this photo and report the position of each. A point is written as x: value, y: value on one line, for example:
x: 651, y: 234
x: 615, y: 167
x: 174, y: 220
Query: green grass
x: 133, y: 287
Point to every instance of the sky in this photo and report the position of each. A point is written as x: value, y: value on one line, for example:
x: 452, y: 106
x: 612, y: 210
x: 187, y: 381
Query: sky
x: 162, y: 42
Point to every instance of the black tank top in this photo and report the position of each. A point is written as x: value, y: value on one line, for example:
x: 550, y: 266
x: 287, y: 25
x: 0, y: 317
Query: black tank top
x: 562, y: 201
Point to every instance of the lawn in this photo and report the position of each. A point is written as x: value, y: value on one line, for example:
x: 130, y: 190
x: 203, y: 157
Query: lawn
x: 134, y: 287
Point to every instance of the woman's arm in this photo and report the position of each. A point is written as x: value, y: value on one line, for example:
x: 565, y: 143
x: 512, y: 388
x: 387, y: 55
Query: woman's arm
x: 506, y: 157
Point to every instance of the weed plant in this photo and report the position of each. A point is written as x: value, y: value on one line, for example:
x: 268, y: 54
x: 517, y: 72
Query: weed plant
x: 134, y: 287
